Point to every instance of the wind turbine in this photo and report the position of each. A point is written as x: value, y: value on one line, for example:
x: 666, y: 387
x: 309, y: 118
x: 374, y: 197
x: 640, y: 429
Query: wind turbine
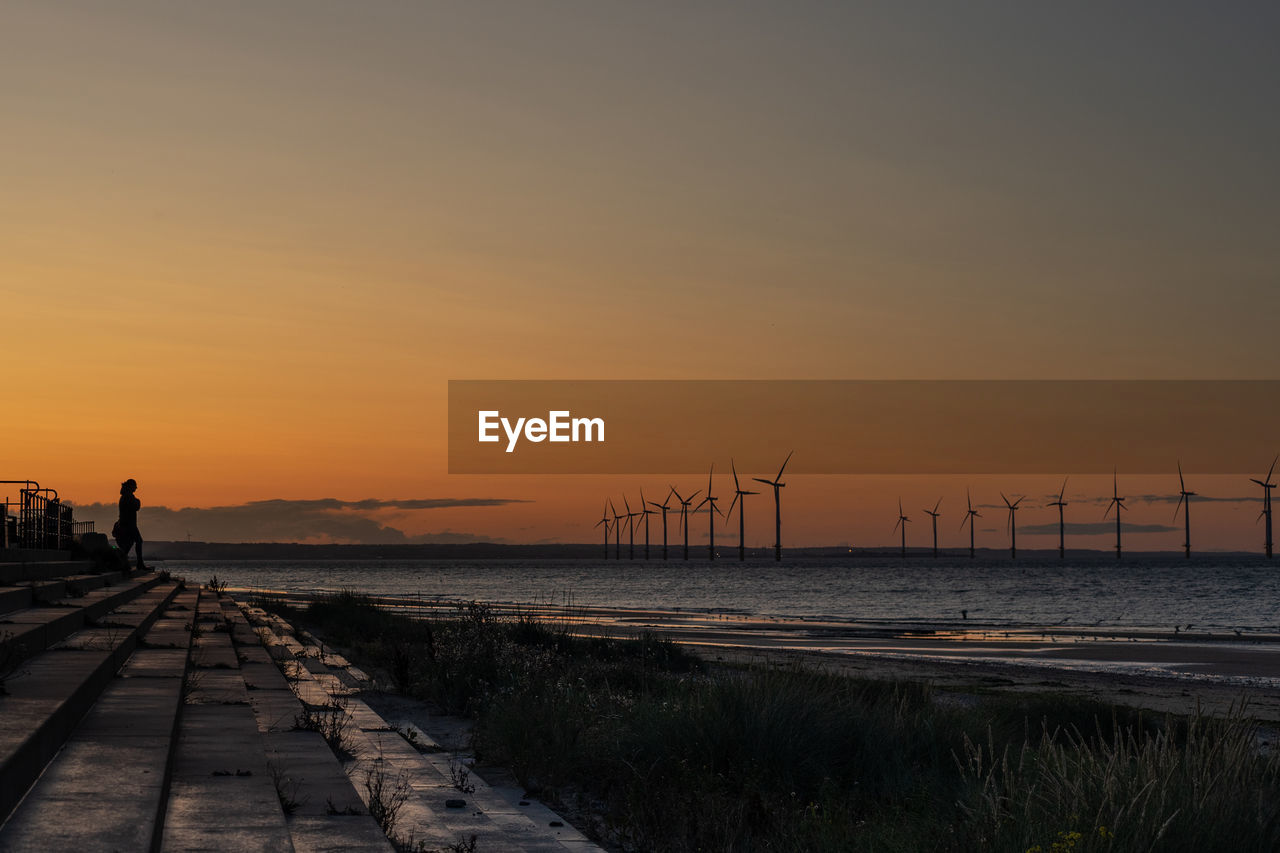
x: 631, y: 529
x: 969, y: 516
x: 684, y: 516
x: 1118, y: 503
x: 902, y: 522
x: 711, y: 515
x: 1062, y: 527
x: 663, y: 506
x: 1184, y: 503
x: 934, y: 512
x: 645, y: 513
x: 1267, y: 486
x: 777, y: 483
x: 605, y: 521
x: 1013, y: 526
x: 739, y: 498
x: 617, y: 530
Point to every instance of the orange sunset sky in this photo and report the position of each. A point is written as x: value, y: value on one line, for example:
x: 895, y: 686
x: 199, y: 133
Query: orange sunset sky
x: 244, y: 246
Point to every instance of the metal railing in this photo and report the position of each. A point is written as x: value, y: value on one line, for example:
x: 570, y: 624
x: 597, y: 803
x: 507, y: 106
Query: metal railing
x: 39, y: 519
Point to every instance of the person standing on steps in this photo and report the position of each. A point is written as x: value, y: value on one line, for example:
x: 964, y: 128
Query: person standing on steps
x: 126, y: 532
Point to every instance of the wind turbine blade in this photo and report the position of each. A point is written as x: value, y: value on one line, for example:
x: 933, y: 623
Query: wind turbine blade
x: 938, y: 504
x: 736, y: 495
x: 1064, y: 488
x: 694, y: 495
x: 766, y: 482
x: 709, y: 476
x: 1018, y: 501
x: 699, y: 506
x: 1272, y: 469
x: 897, y: 524
x: 784, y: 466
x: 1006, y: 500
x: 1178, y: 507
x: 1181, y: 483
x: 734, y: 468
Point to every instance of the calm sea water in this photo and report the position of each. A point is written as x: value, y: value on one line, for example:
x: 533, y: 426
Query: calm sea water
x: 1242, y: 594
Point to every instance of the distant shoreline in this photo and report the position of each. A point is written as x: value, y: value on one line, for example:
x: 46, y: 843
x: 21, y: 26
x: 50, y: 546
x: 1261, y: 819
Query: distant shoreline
x: 727, y: 553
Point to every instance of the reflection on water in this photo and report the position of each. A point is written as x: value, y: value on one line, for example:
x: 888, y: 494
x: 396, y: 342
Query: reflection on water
x: 1197, y: 597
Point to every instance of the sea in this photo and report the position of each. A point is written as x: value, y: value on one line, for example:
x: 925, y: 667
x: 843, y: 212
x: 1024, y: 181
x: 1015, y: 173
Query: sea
x: 1235, y: 594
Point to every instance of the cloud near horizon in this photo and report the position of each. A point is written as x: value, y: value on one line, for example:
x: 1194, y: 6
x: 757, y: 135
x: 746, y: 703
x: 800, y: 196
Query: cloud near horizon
x: 325, y: 520
x: 1096, y: 528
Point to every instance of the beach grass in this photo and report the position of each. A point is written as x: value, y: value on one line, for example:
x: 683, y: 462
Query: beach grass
x: 663, y: 752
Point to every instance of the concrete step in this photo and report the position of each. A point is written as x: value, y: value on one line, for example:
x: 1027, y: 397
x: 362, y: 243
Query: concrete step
x: 58, y: 686
x: 11, y: 573
x: 111, y: 777
x: 38, y: 627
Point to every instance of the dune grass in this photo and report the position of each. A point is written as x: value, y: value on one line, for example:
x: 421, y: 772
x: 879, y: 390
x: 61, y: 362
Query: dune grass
x: 669, y: 755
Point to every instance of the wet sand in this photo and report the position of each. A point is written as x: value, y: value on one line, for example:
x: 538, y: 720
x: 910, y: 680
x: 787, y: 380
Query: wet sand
x: 1167, y: 670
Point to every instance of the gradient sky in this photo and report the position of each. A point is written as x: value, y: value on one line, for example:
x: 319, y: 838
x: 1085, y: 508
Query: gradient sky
x: 244, y: 245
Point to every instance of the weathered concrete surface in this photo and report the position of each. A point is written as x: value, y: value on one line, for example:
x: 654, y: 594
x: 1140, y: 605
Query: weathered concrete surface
x: 104, y: 788
x: 56, y: 690
x: 223, y: 796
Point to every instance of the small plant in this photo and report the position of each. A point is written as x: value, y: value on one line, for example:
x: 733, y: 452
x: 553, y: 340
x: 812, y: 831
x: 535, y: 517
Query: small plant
x: 460, y: 775
x: 191, y: 682
x: 286, y: 789
x: 331, y: 721
x: 216, y: 586
x: 386, y: 795
x: 463, y: 845
x: 330, y: 808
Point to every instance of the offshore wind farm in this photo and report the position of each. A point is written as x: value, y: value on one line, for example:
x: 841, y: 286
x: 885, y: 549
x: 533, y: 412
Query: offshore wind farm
x: 1114, y: 508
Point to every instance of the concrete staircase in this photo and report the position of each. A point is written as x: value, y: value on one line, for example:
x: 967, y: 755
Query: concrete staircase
x: 75, y: 638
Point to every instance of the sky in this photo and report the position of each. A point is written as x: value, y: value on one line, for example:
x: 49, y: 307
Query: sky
x: 244, y: 246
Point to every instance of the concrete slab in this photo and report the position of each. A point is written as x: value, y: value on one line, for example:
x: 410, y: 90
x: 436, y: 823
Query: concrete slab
x: 276, y: 710
x: 313, y: 776
x: 336, y: 834
x: 216, y: 686
x: 155, y: 663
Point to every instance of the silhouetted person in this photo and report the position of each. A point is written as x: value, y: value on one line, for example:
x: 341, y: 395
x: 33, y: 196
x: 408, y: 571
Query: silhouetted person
x: 127, y: 535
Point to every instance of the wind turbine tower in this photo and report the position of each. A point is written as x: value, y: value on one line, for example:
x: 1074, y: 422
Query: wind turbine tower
x: 1267, y: 486
x: 777, y: 483
x: 663, y: 506
x: 1118, y: 503
x: 645, y: 513
x: 902, y: 522
x: 1184, y: 504
x: 1013, y: 526
x: 740, y: 498
x: 711, y: 513
x: 605, y: 521
x: 1062, y: 527
x: 934, y: 512
x: 969, y: 516
x: 684, y: 516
